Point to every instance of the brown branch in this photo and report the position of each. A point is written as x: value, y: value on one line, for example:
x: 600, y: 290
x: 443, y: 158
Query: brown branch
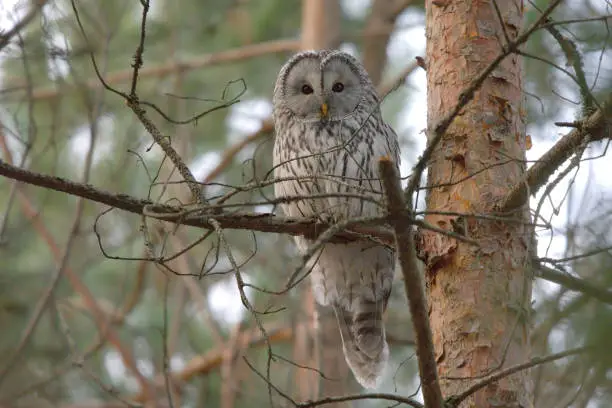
x: 333, y: 400
x: 413, y: 282
x: 222, y: 57
x: 166, y: 146
x: 386, y: 88
x: 77, y: 284
x: 383, y: 14
x: 573, y: 283
x: 374, y: 396
x: 456, y: 400
x: 213, y: 359
x: 596, y: 127
x: 263, y: 222
x: 228, y: 155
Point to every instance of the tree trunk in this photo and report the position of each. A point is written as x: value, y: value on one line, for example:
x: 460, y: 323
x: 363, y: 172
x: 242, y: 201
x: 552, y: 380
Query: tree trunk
x: 479, y: 297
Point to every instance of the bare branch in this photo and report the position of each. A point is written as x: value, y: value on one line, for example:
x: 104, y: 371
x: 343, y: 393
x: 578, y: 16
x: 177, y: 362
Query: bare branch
x: 264, y: 222
x: 386, y: 88
x: 172, y: 67
x: 413, y: 282
x: 456, y: 400
x: 374, y: 396
x: 573, y: 283
x: 383, y: 14
x: 228, y: 155
x: 166, y: 145
x: 596, y: 127
x: 20, y: 25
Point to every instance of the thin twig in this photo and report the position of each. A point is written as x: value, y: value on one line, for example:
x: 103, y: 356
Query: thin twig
x: 456, y: 400
x: 596, y: 127
x: 43, y: 301
x: 173, y: 66
x: 228, y: 154
x: 79, y: 287
x: 587, y: 254
x: 383, y: 13
x: 390, y: 86
x: 374, y: 396
x: 6, y: 37
x: 332, y: 400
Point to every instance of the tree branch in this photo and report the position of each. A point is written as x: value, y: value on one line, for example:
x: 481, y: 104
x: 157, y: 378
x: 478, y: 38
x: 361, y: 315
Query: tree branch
x: 165, y: 144
x: 596, y: 127
x: 213, y: 359
x: 156, y: 71
x: 374, y: 396
x: 263, y: 222
x: 383, y: 14
x: 391, y: 85
x: 332, y: 400
x: 34, y: 10
x: 228, y: 155
x: 573, y: 283
x: 413, y: 282
x: 456, y: 400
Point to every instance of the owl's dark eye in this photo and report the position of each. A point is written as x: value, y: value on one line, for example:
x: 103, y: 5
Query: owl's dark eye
x: 307, y: 89
x: 338, y: 87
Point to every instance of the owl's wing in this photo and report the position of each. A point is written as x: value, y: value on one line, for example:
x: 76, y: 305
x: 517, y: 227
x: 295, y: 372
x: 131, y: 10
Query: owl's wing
x: 356, y: 172
x: 393, y: 145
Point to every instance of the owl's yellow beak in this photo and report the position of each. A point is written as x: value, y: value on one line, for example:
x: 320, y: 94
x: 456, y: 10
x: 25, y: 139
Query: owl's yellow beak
x: 324, y: 110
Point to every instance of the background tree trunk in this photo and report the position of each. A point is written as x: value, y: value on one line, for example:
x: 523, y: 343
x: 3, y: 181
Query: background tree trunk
x: 479, y: 297
x: 321, y: 30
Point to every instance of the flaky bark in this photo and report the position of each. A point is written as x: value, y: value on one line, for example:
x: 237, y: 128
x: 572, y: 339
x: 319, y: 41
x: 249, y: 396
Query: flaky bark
x: 478, y: 296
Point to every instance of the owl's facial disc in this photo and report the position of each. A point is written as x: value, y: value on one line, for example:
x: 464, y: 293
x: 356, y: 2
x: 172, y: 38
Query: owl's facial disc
x: 342, y: 89
x: 302, y: 92
x: 322, y: 91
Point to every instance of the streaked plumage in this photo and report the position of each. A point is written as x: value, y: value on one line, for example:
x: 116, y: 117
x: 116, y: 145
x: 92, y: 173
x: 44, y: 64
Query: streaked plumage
x: 330, y: 137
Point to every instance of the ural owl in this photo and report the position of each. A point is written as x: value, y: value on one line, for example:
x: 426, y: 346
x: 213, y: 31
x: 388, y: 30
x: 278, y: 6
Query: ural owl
x: 329, y: 137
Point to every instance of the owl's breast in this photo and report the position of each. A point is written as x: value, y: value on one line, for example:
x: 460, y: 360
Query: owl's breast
x: 335, y: 164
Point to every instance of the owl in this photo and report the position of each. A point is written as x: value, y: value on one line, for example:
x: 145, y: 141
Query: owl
x: 329, y: 137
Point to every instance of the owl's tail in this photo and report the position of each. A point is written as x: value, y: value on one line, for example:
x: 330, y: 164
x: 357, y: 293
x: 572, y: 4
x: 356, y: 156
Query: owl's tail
x: 363, y: 341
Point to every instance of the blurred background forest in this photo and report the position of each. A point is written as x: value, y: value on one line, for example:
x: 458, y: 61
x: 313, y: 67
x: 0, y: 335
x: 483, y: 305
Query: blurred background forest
x: 85, y: 328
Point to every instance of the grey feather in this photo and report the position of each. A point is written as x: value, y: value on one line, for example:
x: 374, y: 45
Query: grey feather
x: 335, y: 154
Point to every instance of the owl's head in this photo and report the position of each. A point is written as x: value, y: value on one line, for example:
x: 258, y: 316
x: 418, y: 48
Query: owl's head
x: 321, y: 85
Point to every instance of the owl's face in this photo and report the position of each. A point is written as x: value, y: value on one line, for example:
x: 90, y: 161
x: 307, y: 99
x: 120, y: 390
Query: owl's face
x: 321, y: 86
